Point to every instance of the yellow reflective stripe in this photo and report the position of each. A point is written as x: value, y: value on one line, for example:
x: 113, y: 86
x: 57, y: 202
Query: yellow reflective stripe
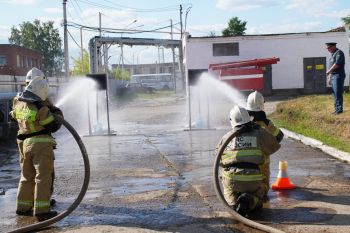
x: 47, y: 120
x: 249, y: 152
x: 25, y: 202
x: 34, y: 140
x: 42, y: 204
x: 276, y: 132
x: 31, y: 127
x: 244, y: 177
x: 237, y: 153
x: 25, y: 114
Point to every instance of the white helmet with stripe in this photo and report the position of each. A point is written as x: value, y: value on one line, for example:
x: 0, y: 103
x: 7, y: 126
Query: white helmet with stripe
x: 33, y: 74
x: 255, y: 102
x: 40, y: 87
x: 238, y: 116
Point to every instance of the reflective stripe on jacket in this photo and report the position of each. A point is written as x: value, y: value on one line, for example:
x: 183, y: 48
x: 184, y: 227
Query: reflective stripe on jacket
x: 245, y: 177
x: 251, y: 146
x: 271, y: 128
x: 243, y: 148
x: 31, y: 119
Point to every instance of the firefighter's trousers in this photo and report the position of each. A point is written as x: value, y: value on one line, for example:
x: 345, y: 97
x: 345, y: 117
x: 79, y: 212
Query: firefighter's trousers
x: 233, y: 188
x: 34, y: 189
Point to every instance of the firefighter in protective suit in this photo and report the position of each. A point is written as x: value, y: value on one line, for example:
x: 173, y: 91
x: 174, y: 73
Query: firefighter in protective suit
x: 32, y: 74
x: 36, y: 123
x: 255, y: 107
x: 241, y: 176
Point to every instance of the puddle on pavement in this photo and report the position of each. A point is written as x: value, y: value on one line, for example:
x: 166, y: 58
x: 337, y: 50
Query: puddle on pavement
x: 141, y: 185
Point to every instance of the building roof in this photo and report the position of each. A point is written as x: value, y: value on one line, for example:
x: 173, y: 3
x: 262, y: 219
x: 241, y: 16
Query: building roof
x: 20, y: 47
x: 338, y: 29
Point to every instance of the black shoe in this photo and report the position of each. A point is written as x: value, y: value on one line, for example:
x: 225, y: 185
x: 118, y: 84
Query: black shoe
x: 45, y: 216
x: 242, y: 205
x: 52, y: 202
x: 265, y: 198
x: 24, y: 213
x: 337, y: 112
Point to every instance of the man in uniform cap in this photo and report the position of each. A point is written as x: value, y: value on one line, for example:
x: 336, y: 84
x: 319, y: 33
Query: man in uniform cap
x: 336, y: 75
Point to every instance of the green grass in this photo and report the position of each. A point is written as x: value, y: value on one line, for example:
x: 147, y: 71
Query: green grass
x: 311, y: 116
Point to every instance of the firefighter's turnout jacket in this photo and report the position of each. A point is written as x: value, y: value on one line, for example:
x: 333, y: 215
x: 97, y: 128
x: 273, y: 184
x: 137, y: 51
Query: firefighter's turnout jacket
x: 261, y: 119
x: 36, y: 123
x: 241, y: 160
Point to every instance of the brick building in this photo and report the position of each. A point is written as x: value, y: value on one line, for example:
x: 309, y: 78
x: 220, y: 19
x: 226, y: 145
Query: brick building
x: 18, y: 60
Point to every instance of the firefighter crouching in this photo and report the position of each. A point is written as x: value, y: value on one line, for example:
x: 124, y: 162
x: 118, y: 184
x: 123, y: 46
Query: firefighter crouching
x: 255, y: 107
x: 241, y: 176
x: 36, y: 123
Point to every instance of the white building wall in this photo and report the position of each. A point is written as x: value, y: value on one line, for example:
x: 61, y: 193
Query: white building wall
x: 290, y: 48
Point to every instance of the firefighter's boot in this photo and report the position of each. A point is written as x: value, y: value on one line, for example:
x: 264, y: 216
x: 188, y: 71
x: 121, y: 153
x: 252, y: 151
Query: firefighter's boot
x: 52, y: 202
x: 45, y: 216
x: 242, y: 205
x: 24, y: 213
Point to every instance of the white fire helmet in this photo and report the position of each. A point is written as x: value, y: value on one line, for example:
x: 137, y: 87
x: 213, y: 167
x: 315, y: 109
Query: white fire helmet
x: 238, y: 116
x: 34, y: 73
x: 255, y: 102
x: 39, y: 86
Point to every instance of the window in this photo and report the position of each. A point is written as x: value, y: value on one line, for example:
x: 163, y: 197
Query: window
x: 23, y: 61
x: 18, y: 60
x: 225, y: 49
x: 3, y: 60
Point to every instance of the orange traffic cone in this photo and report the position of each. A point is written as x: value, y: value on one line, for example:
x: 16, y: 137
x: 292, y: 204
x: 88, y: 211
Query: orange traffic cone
x: 282, y: 181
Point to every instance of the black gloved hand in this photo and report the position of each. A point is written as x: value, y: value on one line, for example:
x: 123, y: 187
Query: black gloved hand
x: 259, y: 116
x: 55, y: 110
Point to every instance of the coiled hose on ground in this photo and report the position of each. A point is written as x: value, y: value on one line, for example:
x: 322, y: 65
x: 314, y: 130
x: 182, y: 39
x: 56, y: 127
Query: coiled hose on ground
x: 83, y: 190
x: 219, y: 193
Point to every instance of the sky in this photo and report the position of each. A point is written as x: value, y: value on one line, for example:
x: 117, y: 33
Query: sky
x: 200, y: 17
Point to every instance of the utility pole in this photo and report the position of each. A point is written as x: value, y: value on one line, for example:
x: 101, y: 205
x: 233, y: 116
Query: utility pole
x: 173, y: 52
x: 100, y: 55
x: 181, y: 52
x: 81, y: 49
x: 100, y: 23
x: 66, y: 57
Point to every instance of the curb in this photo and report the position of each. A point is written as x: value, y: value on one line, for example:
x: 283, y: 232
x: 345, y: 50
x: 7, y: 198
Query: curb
x: 338, y: 154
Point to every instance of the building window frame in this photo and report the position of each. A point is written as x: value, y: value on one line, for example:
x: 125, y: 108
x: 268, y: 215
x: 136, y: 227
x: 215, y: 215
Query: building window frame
x: 225, y: 49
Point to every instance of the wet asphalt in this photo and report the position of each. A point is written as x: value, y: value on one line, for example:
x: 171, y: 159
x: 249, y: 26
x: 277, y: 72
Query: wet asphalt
x: 154, y: 176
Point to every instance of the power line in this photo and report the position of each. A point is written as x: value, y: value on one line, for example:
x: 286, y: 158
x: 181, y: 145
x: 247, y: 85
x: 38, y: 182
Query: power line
x: 78, y: 10
x: 73, y: 39
x: 118, y: 30
x: 120, y: 7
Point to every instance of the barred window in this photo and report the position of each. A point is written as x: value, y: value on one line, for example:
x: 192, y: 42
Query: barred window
x: 225, y: 49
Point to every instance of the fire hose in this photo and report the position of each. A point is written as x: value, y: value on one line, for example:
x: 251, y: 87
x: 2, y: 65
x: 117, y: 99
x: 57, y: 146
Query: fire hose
x: 83, y: 190
x: 219, y: 193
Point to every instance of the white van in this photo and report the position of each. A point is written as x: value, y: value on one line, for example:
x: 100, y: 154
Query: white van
x: 161, y: 81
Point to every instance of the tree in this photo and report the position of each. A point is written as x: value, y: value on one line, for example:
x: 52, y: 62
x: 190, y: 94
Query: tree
x: 42, y: 37
x: 346, y: 20
x: 81, y: 67
x: 212, y: 34
x: 117, y: 73
x: 235, y: 27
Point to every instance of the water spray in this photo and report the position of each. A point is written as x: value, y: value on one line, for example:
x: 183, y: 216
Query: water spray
x: 205, y: 89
